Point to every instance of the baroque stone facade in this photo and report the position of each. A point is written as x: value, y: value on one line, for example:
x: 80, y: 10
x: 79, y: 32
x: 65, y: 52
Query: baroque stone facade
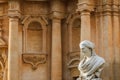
x: 39, y: 39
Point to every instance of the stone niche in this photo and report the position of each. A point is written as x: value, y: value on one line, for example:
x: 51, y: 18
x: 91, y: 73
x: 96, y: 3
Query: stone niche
x: 75, y: 35
x: 73, y: 55
x: 34, y: 34
x: 34, y: 38
x: 34, y: 56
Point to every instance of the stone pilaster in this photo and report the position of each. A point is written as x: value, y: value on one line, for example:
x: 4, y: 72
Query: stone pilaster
x: 85, y: 26
x: 13, y: 46
x: 56, y: 72
x: 84, y: 8
x: 56, y: 54
x: 116, y: 38
x: 108, y: 38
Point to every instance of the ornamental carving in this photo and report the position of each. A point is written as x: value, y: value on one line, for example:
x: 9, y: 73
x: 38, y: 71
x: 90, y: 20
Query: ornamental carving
x: 3, y: 55
x: 34, y: 59
x: 72, y: 65
x: 73, y: 55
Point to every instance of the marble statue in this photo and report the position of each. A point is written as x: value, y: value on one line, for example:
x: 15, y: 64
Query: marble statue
x: 91, y: 65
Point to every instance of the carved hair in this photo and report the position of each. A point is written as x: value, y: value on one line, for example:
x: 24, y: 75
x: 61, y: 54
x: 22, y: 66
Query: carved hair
x: 88, y: 44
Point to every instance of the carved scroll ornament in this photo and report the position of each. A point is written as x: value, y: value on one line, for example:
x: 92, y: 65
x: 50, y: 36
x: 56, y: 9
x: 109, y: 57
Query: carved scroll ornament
x: 34, y: 59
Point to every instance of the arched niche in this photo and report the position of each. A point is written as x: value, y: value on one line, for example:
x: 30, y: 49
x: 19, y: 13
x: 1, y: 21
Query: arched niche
x: 34, y: 35
x: 74, y: 28
x: 75, y: 35
x: 74, y: 32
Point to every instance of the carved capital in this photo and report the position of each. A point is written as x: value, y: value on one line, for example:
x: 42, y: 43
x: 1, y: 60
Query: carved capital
x: 107, y: 9
x: 57, y: 9
x: 14, y: 9
x: 115, y: 9
x: 85, y: 7
x: 14, y: 14
x: 34, y: 59
x: 57, y: 15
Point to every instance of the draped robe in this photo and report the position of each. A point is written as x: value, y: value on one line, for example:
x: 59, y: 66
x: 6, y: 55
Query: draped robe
x: 88, y: 67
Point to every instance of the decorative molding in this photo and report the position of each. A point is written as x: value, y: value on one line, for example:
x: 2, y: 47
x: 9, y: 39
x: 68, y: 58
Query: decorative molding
x: 3, y: 61
x: 29, y: 18
x: 2, y: 42
x: 72, y: 17
x: 73, y: 63
x: 73, y: 67
x: 34, y: 59
x: 73, y: 55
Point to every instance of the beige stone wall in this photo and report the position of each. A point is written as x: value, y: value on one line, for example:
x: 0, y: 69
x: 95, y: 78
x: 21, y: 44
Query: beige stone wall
x: 35, y: 8
x: 36, y: 46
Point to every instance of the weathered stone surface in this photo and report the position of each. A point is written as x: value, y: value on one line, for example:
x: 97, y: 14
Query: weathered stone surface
x: 55, y: 28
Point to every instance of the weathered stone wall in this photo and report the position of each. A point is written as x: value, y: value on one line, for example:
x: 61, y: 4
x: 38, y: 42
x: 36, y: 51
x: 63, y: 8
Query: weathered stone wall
x: 50, y: 50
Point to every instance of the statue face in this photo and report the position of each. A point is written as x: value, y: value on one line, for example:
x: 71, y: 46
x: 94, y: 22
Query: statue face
x: 86, y: 51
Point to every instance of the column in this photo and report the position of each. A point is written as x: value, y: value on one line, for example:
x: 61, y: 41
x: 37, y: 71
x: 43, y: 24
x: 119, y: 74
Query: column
x: 13, y: 45
x: 108, y: 41
x: 116, y: 39
x: 56, y: 50
x: 84, y: 8
x: 85, y: 26
x: 57, y: 11
x: 13, y: 65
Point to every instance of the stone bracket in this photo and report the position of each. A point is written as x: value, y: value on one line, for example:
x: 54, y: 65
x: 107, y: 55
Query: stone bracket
x: 34, y: 59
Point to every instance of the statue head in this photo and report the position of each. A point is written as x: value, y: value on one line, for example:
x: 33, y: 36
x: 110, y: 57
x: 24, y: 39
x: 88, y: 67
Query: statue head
x: 87, y: 47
